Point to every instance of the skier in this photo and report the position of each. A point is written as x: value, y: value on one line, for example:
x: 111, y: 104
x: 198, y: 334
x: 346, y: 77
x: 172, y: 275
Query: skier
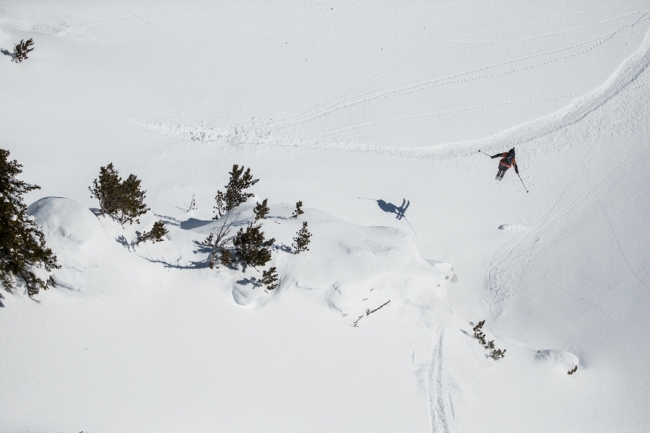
x: 507, y: 161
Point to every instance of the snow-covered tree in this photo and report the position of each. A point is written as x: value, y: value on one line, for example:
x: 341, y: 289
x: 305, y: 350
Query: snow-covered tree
x: 235, y: 194
x: 270, y: 278
x: 22, y: 244
x: 302, y: 239
x: 251, y: 247
x: 122, y: 200
x: 21, y: 49
x: 261, y: 210
x: 298, y: 211
x: 155, y: 234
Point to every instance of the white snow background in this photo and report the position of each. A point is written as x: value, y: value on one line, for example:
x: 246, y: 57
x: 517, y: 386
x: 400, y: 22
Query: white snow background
x: 351, y: 107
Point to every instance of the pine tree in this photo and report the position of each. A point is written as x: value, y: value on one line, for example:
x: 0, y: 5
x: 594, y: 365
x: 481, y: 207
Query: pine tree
x: 21, y: 50
x: 22, y: 243
x: 298, y: 211
x: 121, y: 200
x: 235, y: 193
x: 155, y: 234
x: 301, y: 241
x: 251, y: 248
x: 261, y: 210
x: 495, y: 354
x: 270, y: 278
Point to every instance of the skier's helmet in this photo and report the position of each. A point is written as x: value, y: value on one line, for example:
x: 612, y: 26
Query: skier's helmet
x: 512, y: 151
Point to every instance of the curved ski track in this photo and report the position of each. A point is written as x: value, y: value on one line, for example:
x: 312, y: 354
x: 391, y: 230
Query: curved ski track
x: 270, y: 134
x: 507, y: 268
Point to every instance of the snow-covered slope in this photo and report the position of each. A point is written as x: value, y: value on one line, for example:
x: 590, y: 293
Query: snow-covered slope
x: 355, y: 108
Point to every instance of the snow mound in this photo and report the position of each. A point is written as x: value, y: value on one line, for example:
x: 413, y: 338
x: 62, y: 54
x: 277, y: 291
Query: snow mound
x: 350, y: 268
x: 510, y: 227
x: 85, y: 252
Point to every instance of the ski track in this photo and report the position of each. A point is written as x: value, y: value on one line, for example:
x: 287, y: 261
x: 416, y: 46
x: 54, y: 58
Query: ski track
x: 368, y: 98
x: 440, y: 406
x: 267, y: 134
x: 508, y: 266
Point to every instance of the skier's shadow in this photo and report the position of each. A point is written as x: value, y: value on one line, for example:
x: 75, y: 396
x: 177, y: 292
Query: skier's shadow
x: 391, y: 208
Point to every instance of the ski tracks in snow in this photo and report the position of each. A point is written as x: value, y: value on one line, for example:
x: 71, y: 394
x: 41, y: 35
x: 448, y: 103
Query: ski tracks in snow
x: 273, y: 133
x: 441, y: 408
x: 507, y: 268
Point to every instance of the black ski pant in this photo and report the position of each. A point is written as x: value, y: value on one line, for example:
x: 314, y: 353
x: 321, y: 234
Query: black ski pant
x: 502, y: 171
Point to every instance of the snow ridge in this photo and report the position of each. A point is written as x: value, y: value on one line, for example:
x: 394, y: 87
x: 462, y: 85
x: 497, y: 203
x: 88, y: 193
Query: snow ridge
x: 269, y: 133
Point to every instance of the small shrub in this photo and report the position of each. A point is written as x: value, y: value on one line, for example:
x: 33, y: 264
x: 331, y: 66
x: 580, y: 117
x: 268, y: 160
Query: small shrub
x: 270, y: 278
x: 235, y: 193
x: 495, y: 354
x: 192, y: 205
x: 573, y: 370
x: 21, y: 50
x: 298, y: 211
x: 155, y: 234
x: 478, y: 332
x: 121, y: 200
x: 498, y: 354
x: 218, y: 240
x: 302, y: 240
x: 22, y: 243
x: 224, y: 257
x: 261, y: 210
x: 251, y: 247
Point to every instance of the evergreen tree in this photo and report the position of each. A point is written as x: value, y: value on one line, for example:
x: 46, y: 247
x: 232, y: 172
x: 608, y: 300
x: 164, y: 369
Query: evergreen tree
x: 22, y: 243
x: 235, y: 194
x: 301, y: 241
x: 495, y: 354
x: 298, y: 211
x: 155, y: 234
x: 251, y: 248
x: 270, y: 278
x: 21, y: 50
x: 261, y: 210
x: 122, y: 200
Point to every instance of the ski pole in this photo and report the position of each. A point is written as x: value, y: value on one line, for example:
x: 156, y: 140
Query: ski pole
x: 522, y: 182
x: 484, y: 153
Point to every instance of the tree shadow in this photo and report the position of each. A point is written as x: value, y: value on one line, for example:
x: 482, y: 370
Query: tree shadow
x: 6, y: 52
x: 125, y: 243
x: 391, y: 208
x: 175, y: 264
x: 194, y: 223
x: 252, y: 280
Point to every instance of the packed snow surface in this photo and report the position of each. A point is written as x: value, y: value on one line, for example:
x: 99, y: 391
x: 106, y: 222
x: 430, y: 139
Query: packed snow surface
x: 373, y: 114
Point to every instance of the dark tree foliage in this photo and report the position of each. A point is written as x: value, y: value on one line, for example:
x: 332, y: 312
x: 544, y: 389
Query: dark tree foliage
x: 21, y: 50
x: 298, y: 211
x: 235, y: 194
x: 22, y: 244
x: 122, y: 200
x: 495, y: 354
x: 251, y: 248
x: 224, y: 257
x: 155, y: 234
x: 301, y: 241
x: 270, y: 278
x: 261, y: 210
